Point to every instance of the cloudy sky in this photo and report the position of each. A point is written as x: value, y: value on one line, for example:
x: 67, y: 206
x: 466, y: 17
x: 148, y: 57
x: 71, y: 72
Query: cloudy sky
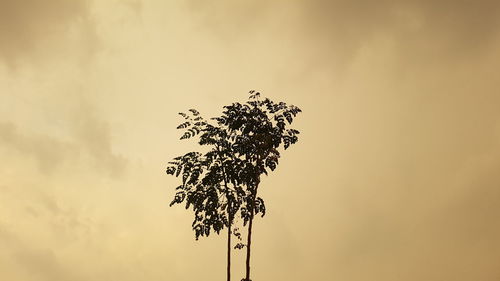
x: 395, y: 177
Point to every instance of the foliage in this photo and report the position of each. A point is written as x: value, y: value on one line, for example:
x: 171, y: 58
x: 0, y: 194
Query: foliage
x: 209, y: 182
x: 244, y: 143
x: 257, y: 129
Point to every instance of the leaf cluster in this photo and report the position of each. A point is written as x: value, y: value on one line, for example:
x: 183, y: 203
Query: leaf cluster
x: 257, y: 129
x: 243, y: 143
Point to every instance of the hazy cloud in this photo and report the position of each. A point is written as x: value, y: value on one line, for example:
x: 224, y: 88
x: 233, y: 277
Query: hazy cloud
x: 395, y: 176
x: 31, y: 29
x: 94, y: 135
x: 423, y: 28
x: 337, y: 30
x: 90, y: 139
x: 48, y: 152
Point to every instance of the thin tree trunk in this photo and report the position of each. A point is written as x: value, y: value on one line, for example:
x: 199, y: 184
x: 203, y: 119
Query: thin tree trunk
x: 252, y: 212
x: 230, y: 223
x: 249, y: 244
x: 229, y: 249
x: 249, y: 235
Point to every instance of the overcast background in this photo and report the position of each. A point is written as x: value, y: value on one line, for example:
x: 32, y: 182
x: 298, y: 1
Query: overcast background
x: 395, y: 176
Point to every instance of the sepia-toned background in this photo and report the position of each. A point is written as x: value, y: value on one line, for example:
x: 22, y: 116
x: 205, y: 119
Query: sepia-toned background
x: 396, y: 175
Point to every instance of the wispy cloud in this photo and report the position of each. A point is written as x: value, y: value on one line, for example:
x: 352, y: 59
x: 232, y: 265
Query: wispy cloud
x: 32, y: 30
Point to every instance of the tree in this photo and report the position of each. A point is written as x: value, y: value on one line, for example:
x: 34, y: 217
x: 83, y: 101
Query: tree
x: 258, y: 128
x: 209, y: 182
x: 244, y: 144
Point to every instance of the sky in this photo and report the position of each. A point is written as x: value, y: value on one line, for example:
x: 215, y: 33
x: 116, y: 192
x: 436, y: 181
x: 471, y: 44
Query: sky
x: 395, y: 175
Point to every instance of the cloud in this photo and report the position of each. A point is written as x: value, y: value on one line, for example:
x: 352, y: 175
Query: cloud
x: 90, y: 141
x: 337, y: 30
x: 44, y: 264
x: 394, y: 176
x: 231, y: 19
x: 48, y: 152
x: 33, y: 29
x: 32, y: 261
x: 94, y: 135
x: 419, y: 30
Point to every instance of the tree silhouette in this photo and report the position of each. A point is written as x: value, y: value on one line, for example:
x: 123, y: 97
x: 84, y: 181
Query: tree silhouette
x: 259, y: 129
x: 244, y: 144
x: 209, y: 180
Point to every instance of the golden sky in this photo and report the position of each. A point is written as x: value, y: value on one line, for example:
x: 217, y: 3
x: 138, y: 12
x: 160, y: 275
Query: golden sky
x: 395, y: 176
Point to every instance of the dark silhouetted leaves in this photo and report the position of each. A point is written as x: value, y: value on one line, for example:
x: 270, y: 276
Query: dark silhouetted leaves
x: 243, y: 143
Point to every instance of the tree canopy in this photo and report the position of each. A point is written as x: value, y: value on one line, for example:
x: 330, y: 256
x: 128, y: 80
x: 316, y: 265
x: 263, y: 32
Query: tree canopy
x: 244, y: 143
